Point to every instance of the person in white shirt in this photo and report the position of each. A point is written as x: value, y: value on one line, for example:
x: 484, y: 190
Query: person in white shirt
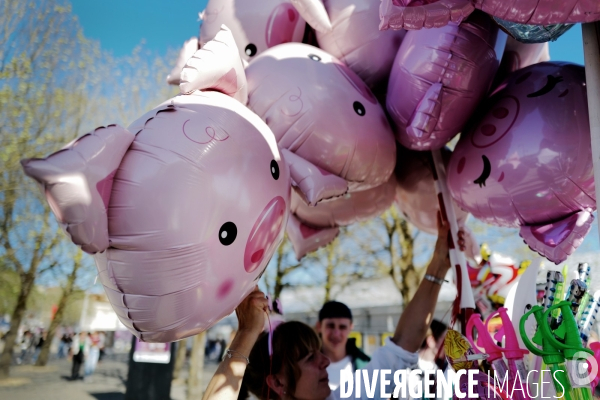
x: 334, y: 326
x: 296, y: 368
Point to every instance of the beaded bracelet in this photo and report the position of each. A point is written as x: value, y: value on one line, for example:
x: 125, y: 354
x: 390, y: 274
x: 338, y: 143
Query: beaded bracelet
x: 230, y: 354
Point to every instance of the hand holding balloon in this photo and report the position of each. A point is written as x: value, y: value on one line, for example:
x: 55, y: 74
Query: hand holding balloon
x: 251, y: 313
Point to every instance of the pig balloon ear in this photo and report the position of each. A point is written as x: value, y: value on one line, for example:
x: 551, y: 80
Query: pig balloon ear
x: 313, y: 12
x: 189, y: 48
x: 77, y: 182
x: 216, y: 66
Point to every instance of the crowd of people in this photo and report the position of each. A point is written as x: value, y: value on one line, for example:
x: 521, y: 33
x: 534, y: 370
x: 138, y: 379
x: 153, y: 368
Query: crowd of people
x: 84, y: 349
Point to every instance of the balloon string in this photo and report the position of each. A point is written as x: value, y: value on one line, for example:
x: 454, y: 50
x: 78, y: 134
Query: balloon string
x: 270, y: 345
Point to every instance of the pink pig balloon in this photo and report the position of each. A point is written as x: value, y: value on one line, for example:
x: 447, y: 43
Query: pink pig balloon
x: 527, y: 162
x: 416, y: 195
x: 324, y: 114
x: 312, y: 227
x: 187, y: 51
x: 258, y: 25
x: 356, y: 41
x: 183, y: 209
x: 417, y: 14
x: 439, y: 77
x: 519, y: 55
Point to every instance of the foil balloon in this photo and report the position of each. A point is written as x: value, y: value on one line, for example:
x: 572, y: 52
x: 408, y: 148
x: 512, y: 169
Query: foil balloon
x: 519, y: 55
x: 439, y: 77
x: 312, y: 227
x: 416, y: 196
x: 527, y: 33
x: 183, y: 209
x: 356, y: 40
x: 187, y: 51
x: 526, y: 159
x: 259, y: 25
x: 325, y: 115
x: 411, y: 14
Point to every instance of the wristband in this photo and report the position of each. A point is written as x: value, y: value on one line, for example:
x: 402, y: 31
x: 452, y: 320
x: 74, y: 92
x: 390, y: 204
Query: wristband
x: 434, y: 279
x: 232, y: 353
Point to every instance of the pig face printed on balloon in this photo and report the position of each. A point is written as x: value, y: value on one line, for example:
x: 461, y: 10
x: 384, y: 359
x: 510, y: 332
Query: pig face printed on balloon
x: 259, y: 25
x: 188, y: 204
x: 355, y: 39
x: 526, y: 161
x: 439, y: 77
x: 324, y: 114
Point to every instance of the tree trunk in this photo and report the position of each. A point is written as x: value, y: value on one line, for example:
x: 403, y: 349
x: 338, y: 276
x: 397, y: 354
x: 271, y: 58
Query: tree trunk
x: 408, y: 272
x: 58, y: 316
x: 329, y: 270
x: 27, y: 280
x: 194, y: 384
x: 180, y: 358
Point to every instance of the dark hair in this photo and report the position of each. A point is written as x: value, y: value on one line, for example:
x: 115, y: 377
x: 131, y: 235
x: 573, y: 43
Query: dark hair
x: 334, y: 309
x: 292, y: 341
x: 436, y: 329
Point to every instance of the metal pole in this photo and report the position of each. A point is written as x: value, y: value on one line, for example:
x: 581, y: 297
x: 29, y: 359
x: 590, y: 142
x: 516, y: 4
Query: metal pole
x: 591, y: 53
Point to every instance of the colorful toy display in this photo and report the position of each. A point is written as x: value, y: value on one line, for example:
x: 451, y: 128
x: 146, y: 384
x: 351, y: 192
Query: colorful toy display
x: 182, y: 209
x: 439, y: 77
x: 526, y: 160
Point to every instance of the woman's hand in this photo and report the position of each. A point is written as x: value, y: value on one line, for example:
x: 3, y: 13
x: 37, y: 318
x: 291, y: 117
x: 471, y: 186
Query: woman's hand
x: 251, y: 312
x: 442, y: 246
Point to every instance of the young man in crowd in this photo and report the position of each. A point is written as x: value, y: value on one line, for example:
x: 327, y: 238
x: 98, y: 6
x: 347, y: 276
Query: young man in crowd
x: 334, y: 326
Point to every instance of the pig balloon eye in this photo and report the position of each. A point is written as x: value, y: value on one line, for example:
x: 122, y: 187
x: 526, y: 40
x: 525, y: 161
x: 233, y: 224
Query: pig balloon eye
x: 250, y: 50
x: 227, y: 233
x: 314, y: 57
x: 274, y: 169
x: 359, y: 108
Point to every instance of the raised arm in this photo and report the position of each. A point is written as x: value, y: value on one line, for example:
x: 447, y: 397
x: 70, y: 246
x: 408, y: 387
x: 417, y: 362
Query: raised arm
x: 227, y: 380
x: 418, y: 313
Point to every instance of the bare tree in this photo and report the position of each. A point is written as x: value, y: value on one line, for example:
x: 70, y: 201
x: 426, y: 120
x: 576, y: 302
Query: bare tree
x: 76, y: 263
x: 390, y: 243
x: 282, y: 266
x: 44, y: 64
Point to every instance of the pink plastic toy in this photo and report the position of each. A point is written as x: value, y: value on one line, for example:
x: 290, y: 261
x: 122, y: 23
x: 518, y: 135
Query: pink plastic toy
x: 526, y: 161
x: 258, y: 25
x: 356, y: 40
x: 517, y: 374
x: 312, y: 227
x: 439, y: 77
x: 417, y: 14
x: 325, y: 115
x: 183, y: 209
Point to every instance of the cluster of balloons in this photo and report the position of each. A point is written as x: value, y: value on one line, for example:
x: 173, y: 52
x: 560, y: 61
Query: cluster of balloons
x: 289, y: 117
